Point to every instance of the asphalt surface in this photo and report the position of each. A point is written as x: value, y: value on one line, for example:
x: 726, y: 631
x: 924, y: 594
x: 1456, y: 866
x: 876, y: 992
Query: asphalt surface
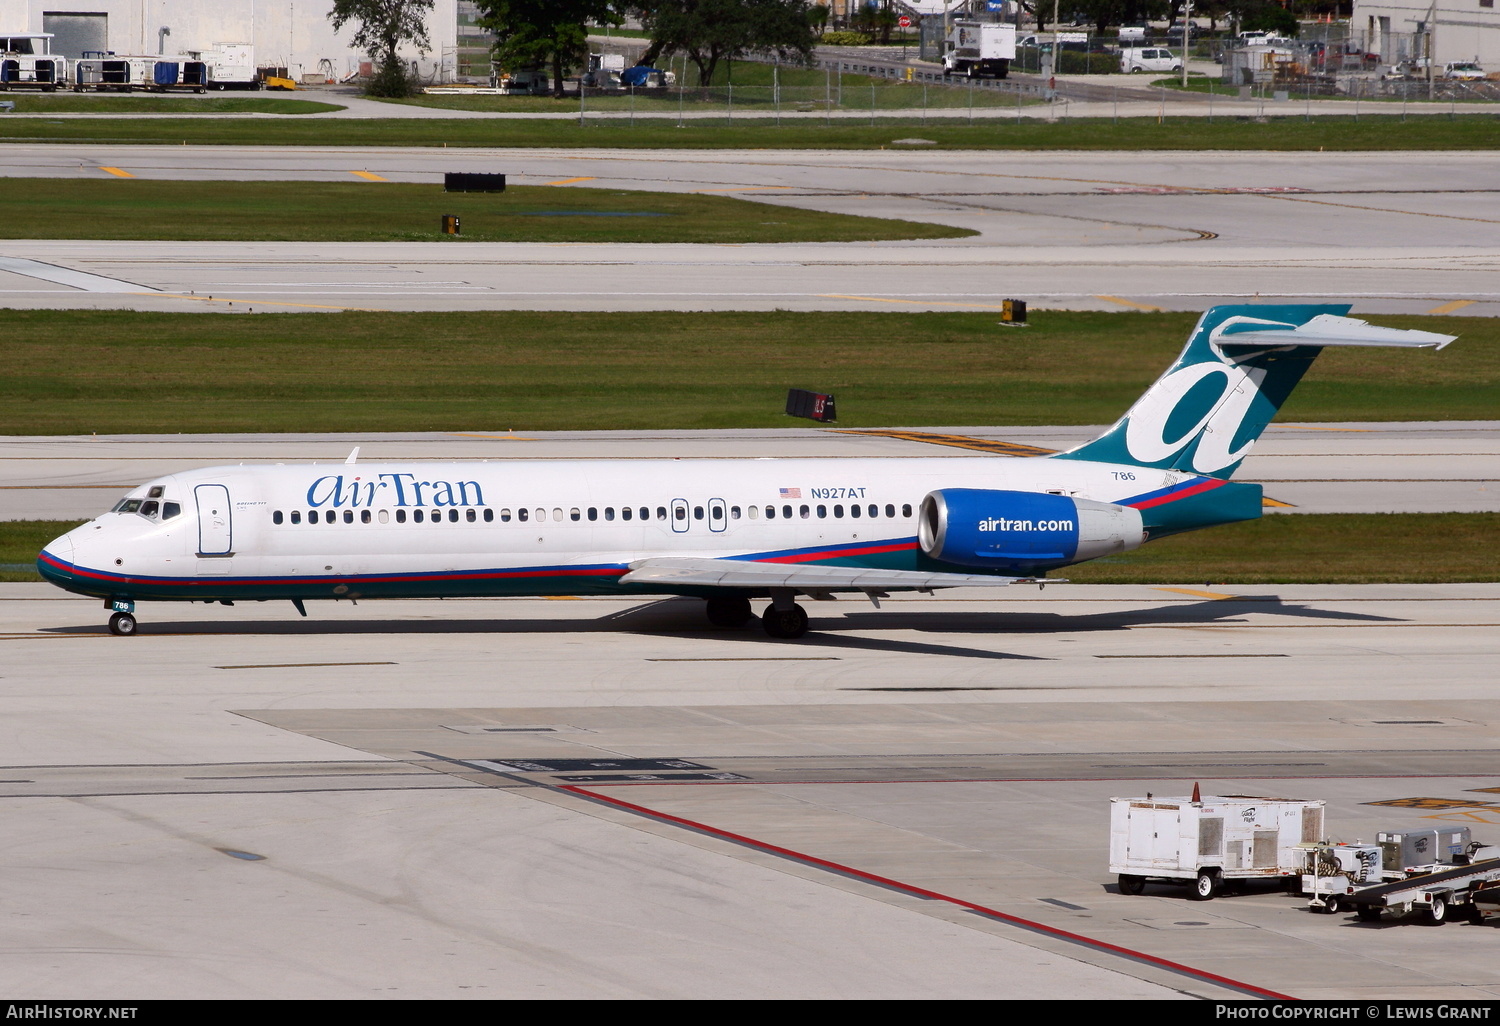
x: 1108, y: 231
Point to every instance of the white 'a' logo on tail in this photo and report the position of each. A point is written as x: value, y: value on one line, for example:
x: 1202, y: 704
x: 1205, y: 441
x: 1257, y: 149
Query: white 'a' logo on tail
x: 1146, y: 424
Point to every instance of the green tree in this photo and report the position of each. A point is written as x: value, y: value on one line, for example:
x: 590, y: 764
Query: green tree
x: 541, y: 33
x: 384, y: 26
x: 711, y: 31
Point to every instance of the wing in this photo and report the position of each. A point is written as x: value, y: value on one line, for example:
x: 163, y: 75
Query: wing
x: 806, y: 577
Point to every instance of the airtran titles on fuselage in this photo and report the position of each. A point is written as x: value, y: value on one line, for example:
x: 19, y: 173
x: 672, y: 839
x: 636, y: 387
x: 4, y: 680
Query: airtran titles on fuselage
x: 1006, y: 524
x: 392, y: 490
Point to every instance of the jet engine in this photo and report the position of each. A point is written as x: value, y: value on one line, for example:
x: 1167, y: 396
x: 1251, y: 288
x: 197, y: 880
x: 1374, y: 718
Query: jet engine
x: 1021, y: 531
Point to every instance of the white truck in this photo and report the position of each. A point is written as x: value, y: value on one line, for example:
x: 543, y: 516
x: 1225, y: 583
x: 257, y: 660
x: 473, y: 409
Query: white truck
x: 1207, y: 841
x: 229, y: 66
x: 27, y: 62
x: 978, y: 48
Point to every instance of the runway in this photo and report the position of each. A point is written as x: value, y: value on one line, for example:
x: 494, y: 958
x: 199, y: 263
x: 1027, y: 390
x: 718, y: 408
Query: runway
x: 598, y: 798
x: 1113, y: 231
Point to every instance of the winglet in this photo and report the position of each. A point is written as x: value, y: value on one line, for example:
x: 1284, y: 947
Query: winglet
x: 353, y: 456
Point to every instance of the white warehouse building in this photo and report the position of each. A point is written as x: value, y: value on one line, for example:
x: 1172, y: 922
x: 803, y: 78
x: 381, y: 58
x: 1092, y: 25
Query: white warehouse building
x: 291, y: 34
x: 1456, y: 30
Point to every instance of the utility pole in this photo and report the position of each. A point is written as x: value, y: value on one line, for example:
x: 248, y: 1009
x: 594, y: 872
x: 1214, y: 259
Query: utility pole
x: 1187, y: 32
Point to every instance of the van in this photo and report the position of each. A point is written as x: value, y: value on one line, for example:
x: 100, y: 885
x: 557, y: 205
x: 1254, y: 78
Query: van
x: 1148, y: 58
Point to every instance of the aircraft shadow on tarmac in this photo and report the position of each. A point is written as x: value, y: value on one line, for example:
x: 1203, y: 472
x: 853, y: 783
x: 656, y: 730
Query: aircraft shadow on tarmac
x: 683, y: 618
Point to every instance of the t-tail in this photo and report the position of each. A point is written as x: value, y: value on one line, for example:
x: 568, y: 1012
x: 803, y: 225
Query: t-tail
x: 1240, y: 363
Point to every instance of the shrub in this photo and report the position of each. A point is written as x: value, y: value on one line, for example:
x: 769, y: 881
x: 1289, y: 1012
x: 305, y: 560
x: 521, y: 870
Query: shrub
x: 844, y: 39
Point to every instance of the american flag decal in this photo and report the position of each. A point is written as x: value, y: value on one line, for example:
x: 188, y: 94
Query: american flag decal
x: 791, y: 493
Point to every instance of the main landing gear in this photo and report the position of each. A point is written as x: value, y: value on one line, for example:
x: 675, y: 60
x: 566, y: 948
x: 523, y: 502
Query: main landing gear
x: 783, y: 618
x: 785, y: 623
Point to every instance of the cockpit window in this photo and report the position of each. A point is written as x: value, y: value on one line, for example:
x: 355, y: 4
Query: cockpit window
x: 170, y: 510
x: 150, y: 508
x: 155, y: 492
x: 128, y: 506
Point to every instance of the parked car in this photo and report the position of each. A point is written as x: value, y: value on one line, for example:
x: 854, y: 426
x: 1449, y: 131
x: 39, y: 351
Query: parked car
x: 1463, y: 71
x: 1148, y: 58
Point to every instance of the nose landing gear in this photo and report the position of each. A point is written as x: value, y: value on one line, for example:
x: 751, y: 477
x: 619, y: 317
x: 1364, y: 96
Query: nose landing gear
x: 122, y: 624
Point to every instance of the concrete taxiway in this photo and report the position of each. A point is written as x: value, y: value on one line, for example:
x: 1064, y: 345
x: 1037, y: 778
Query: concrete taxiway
x: 1064, y: 230
x: 600, y: 798
x: 1439, y: 467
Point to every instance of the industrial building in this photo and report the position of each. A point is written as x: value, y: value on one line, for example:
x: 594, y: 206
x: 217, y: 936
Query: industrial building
x: 295, y: 35
x: 1453, y: 30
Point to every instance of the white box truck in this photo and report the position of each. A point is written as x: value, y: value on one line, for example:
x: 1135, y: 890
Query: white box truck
x: 1209, y: 840
x: 978, y: 48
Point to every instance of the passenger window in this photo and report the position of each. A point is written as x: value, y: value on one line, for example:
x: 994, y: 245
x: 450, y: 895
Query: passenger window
x: 786, y: 512
x: 838, y: 511
x: 890, y: 511
x: 557, y: 514
x: 680, y: 512
x: 296, y: 516
x: 593, y: 512
x: 804, y: 511
x: 822, y: 512
x: 734, y: 512
x: 489, y: 516
x: 574, y: 514
x: 906, y: 509
x: 470, y: 515
x: 770, y: 512
x: 276, y: 517
x: 874, y: 510
x: 541, y: 516
x: 400, y: 516
x: 385, y: 516
x: 697, y: 512
x: 754, y: 512
x: 661, y: 512
x: 453, y: 516
x: 609, y: 512
x: 854, y: 510
x: 329, y: 517
x: 416, y: 516
x: 716, y: 512
x: 626, y: 513
x: 348, y: 516
x: 505, y: 516
x: 436, y: 517
x: 522, y: 515
x: 364, y: 516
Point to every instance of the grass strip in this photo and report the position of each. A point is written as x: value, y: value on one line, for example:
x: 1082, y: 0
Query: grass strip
x: 82, y: 371
x: 1229, y: 131
x: 391, y: 211
x: 1314, y: 548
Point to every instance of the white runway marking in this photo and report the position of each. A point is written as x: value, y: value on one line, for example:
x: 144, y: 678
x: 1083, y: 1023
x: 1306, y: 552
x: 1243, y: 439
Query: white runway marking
x: 67, y: 276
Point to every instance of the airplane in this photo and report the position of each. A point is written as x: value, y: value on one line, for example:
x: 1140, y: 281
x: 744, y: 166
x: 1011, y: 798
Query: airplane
x: 724, y: 530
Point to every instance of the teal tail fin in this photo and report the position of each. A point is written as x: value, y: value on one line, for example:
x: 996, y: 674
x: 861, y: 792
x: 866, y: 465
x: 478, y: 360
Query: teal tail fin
x: 1240, y: 363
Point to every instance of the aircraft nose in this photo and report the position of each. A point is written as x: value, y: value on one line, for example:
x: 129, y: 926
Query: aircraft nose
x: 59, y: 548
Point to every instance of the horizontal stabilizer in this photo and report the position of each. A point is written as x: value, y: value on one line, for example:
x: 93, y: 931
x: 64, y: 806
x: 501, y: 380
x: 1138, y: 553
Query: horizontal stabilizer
x: 740, y: 573
x: 1325, y: 330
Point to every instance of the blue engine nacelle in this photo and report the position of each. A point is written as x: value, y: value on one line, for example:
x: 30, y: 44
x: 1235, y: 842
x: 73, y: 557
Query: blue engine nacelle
x: 1021, y: 531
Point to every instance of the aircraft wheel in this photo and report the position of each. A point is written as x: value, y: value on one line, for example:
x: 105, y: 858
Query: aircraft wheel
x: 729, y: 612
x: 1206, y: 886
x: 122, y: 624
x: 1132, y: 884
x: 1368, y: 913
x: 786, y: 624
